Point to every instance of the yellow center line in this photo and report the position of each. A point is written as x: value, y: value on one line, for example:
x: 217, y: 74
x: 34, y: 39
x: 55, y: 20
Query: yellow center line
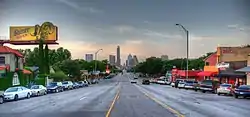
x: 113, y: 103
x: 162, y: 104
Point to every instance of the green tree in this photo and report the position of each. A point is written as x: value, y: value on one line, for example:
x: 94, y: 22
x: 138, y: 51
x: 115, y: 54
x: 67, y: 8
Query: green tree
x: 58, y: 76
x: 46, y: 59
x: 41, y: 58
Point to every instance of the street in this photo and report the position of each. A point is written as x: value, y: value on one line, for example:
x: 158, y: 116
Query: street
x: 117, y: 97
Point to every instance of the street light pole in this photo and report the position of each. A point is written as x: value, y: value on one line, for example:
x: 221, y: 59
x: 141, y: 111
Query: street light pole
x: 187, y: 34
x: 96, y: 58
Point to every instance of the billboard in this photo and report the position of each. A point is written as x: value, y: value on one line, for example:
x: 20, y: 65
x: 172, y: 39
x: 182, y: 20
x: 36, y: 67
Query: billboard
x: 32, y: 34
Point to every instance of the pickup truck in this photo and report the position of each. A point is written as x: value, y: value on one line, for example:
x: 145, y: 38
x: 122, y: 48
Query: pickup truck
x: 1, y: 97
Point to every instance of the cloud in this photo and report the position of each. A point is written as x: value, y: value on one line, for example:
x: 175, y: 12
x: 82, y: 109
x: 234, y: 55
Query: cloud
x: 124, y: 28
x: 80, y: 8
x: 237, y: 27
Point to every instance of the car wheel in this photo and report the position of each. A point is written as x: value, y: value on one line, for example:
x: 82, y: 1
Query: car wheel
x: 16, y: 97
x: 57, y: 91
x: 38, y: 93
x: 218, y: 93
x: 28, y: 95
x: 195, y: 90
x: 1, y: 99
x: 203, y: 91
x: 45, y: 92
x: 235, y: 96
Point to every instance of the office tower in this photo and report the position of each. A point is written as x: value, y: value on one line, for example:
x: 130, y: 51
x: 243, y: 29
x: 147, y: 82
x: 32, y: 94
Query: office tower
x: 89, y: 57
x: 164, y: 57
x: 118, y: 56
x: 112, y: 59
x: 135, y: 60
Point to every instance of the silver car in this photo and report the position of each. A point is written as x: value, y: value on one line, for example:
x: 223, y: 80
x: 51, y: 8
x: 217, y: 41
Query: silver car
x: 38, y: 90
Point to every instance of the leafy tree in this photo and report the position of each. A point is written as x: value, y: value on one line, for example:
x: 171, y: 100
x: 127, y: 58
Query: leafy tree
x: 41, y: 58
x: 58, y: 76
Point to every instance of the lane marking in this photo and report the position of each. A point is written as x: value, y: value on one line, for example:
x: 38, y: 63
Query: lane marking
x: 161, y: 103
x: 113, y: 103
x: 83, y: 98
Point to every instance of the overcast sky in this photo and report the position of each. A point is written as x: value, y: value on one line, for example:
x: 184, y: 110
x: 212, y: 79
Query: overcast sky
x: 142, y: 27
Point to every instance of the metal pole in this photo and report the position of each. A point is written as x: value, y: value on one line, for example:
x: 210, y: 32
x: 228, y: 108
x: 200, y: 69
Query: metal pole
x: 187, y: 33
x: 187, y: 53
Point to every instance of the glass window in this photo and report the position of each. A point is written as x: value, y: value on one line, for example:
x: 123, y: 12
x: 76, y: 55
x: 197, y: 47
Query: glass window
x: 2, y: 60
x: 2, y: 73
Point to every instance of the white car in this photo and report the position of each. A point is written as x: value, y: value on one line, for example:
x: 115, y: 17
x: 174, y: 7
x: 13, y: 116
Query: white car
x: 133, y: 81
x: 16, y: 93
x: 225, y: 89
x: 38, y: 90
x: 181, y: 85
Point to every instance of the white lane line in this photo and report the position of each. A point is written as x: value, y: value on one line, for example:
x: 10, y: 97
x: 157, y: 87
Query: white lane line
x: 83, y: 98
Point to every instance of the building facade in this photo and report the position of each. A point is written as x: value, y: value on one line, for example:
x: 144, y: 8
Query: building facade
x: 89, y: 57
x: 112, y: 59
x: 135, y: 60
x: 118, y: 56
x: 164, y: 57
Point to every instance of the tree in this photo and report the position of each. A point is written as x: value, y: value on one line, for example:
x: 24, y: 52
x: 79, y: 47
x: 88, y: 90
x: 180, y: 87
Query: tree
x: 46, y: 59
x: 41, y: 58
x: 70, y: 67
x: 58, y: 76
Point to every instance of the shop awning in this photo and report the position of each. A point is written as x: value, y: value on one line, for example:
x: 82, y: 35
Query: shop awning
x: 26, y: 71
x: 244, y: 69
x: 190, y: 73
x: 231, y: 73
x: 207, y: 73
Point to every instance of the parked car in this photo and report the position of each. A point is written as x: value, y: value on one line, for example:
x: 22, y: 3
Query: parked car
x: 181, y: 84
x: 243, y: 90
x: 76, y: 85
x: 94, y: 81
x: 145, y: 81
x: 226, y: 89
x: 209, y: 85
x: 177, y: 81
x: 16, y: 93
x: 55, y: 87
x: 133, y: 81
x: 83, y: 83
x: 153, y: 80
x: 1, y: 97
x: 38, y: 90
x: 190, y: 84
x: 67, y: 85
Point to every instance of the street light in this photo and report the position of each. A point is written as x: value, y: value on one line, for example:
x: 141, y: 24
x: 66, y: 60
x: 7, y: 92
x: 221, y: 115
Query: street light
x: 96, y: 57
x: 187, y: 33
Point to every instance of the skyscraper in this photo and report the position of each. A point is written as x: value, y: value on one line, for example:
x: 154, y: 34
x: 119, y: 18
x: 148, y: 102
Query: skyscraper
x: 89, y: 57
x: 112, y: 59
x: 135, y: 60
x: 118, y: 56
x: 130, y: 61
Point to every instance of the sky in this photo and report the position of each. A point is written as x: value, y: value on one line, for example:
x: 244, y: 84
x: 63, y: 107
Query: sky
x: 141, y: 27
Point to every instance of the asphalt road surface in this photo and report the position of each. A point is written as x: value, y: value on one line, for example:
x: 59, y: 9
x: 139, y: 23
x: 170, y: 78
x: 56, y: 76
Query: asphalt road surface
x: 117, y: 97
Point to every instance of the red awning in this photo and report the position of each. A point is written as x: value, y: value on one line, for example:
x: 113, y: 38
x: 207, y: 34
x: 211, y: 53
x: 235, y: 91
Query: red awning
x: 190, y: 73
x: 26, y: 71
x: 207, y: 73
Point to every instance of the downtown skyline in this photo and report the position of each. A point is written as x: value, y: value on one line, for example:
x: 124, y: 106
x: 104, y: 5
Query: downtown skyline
x: 87, y: 26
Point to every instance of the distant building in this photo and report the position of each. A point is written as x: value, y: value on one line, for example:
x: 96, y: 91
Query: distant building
x: 118, y: 56
x: 164, y: 57
x: 89, y: 57
x: 112, y: 59
x: 130, y: 61
x: 135, y: 60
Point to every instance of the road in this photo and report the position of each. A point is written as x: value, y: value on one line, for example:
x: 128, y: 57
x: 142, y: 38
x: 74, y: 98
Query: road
x: 117, y: 97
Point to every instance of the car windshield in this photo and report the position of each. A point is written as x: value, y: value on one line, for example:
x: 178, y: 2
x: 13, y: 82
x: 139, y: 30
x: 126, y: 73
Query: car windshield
x: 246, y: 87
x: 189, y: 81
x: 225, y: 85
x: 207, y: 82
x: 35, y: 87
x: 65, y: 83
x: 13, y: 89
x: 53, y: 84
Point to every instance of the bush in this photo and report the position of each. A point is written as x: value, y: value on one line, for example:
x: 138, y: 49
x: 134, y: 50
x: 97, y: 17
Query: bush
x: 58, y: 76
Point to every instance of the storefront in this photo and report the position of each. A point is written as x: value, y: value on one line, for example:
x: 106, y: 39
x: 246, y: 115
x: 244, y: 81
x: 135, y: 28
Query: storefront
x: 230, y: 76
x: 192, y: 74
x: 209, y: 73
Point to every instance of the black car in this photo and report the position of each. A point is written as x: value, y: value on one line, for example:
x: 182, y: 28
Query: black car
x: 145, y: 81
x: 209, y: 85
x: 1, y: 98
x: 55, y: 87
x: 243, y: 90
